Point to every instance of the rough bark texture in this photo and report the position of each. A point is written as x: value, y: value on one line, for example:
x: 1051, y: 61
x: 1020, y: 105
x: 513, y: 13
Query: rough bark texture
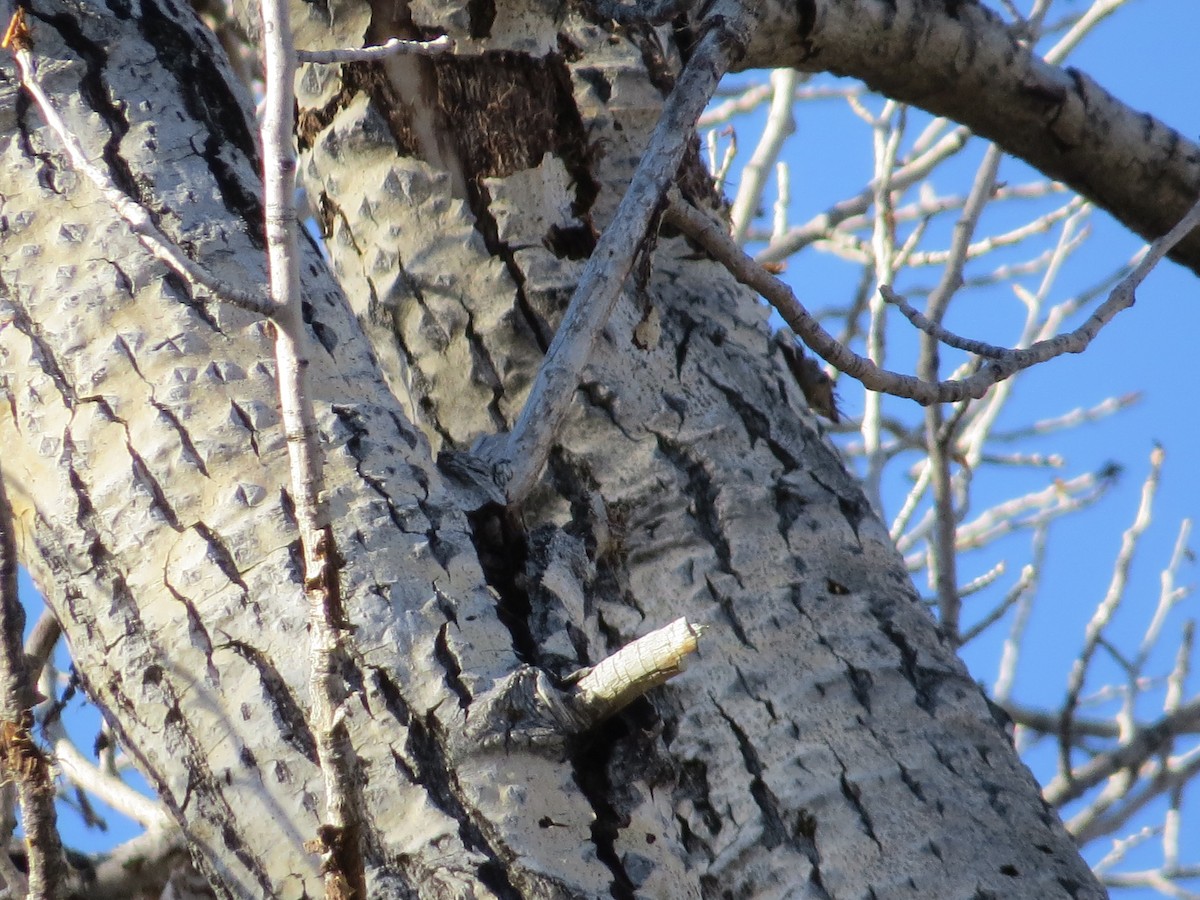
x: 826, y: 744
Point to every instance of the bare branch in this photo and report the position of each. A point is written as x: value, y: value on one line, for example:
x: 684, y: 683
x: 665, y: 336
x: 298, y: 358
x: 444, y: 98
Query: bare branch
x: 1013, y: 236
x: 1095, y: 14
x: 23, y: 761
x: 519, y: 458
x: 943, y: 569
x: 1075, y: 417
x: 780, y: 123
x: 1014, y: 595
x: 1129, y: 163
x: 136, y: 216
x: 339, y: 839
x: 1104, y: 612
x: 1147, y: 742
x: 654, y: 659
x: 751, y: 98
x: 109, y: 789
x: 705, y: 231
x: 1127, y: 796
x: 908, y: 174
x: 886, y: 133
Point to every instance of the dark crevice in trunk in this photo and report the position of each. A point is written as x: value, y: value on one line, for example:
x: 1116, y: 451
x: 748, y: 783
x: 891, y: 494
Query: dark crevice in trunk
x: 591, y: 761
x: 502, y: 547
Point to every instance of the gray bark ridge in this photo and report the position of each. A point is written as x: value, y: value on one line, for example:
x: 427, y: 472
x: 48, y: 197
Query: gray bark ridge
x: 826, y: 717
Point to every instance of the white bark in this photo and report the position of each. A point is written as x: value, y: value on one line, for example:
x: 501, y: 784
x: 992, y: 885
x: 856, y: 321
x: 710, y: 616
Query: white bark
x: 826, y: 742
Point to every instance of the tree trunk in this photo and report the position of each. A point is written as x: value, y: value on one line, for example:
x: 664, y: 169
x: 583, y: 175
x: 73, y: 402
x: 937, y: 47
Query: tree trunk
x: 827, y: 742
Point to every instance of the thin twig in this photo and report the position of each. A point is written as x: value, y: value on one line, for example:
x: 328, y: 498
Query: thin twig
x: 1052, y: 502
x: 136, y: 216
x: 520, y: 457
x: 1078, y: 416
x: 339, y: 839
x: 708, y: 233
x: 779, y: 125
x: 1145, y: 743
x: 23, y: 761
x: 909, y: 173
x: 1105, y: 610
x: 1122, y: 846
x: 1158, y: 777
x: 749, y: 99
x: 1013, y: 236
x: 943, y: 566
x: 783, y: 197
x: 1014, y: 595
x: 1098, y: 11
x: 1011, y: 653
x: 887, y: 132
x: 925, y: 209
x: 110, y: 789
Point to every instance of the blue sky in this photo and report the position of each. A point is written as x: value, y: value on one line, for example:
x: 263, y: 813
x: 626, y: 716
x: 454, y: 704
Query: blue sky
x: 1145, y: 55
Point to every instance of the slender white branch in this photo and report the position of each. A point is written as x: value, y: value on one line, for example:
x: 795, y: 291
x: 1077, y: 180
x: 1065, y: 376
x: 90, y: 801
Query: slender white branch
x: 1098, y: 11
x: 109, y: 789
x: 780, y: 124
x: 943, y: 561
x: 917, y: 167
x: 339, y: 837
x: 21, y: 759
x: 887, y: 132
x: 704, y: 230
x: 1106, y: 609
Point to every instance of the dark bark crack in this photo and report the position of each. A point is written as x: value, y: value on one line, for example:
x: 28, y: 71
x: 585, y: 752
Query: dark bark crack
x: 483, y: 369
x: 775, y: 832
x: 351, y: 418
x: 453, y: 669
x: 591, y: 761
x: 703, y: 489
x: 726, y: 603
x: 94, y: 91
x: 198, y: 634
x: 853, y: 509
x: 285, y: 710
x: 853, y: 793
x: 244, y: 418
x: 502, y: 548
x: 220, y: 555
x: 756, y: 423
x: 43, y: 355
x: 424, y: 746
x: 923, y: 679
x: 190, y: 56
